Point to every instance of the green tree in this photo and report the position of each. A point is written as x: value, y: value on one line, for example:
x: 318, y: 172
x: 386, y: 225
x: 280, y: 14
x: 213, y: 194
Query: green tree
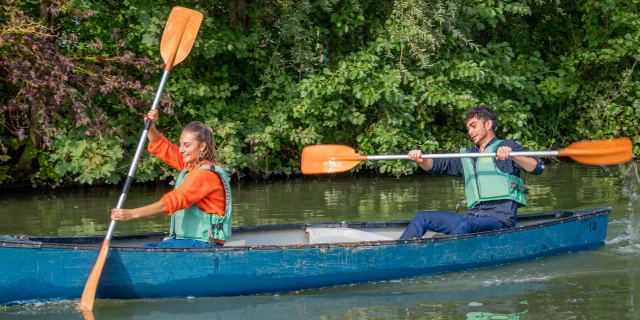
x: 274, y: 76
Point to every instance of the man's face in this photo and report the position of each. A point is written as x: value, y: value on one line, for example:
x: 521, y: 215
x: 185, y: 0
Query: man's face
x: 478, y: 130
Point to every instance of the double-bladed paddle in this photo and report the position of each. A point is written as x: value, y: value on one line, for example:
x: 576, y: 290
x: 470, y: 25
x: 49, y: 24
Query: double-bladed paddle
x: 179, y: 35
x: 331, y: 158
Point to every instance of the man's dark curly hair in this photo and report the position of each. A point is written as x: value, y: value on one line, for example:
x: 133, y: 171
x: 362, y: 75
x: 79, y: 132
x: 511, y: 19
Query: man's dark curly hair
x: 483, y: 113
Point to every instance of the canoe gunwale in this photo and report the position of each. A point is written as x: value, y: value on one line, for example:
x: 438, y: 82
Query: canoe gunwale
x: 561, y: 216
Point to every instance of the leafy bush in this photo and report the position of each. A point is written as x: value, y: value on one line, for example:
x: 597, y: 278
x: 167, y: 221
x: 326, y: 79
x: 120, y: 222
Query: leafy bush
x: 273, y: 77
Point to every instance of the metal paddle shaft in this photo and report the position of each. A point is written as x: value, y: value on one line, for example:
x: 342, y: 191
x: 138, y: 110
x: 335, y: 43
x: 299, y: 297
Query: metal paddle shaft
x: 465, y: 155
x: 177, y: 40
x: 136, y: 157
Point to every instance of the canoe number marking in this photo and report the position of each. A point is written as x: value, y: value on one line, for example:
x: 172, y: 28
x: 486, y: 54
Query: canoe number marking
x: 592, y: 226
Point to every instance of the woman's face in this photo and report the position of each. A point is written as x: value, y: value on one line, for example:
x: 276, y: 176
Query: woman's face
x: 190, y: 149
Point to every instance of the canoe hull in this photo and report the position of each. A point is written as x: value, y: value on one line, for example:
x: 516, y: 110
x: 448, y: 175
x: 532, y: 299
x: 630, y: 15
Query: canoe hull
x: 60, y: 272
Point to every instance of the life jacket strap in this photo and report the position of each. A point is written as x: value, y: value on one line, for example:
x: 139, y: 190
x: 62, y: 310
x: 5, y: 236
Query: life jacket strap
x: 521, y: 188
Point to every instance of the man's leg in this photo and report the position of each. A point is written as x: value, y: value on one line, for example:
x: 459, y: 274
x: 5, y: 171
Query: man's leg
x: 476, y: 224
x: 437, y: 221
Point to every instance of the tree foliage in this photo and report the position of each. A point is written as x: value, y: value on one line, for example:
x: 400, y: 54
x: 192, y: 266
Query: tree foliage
x: 274, y: 76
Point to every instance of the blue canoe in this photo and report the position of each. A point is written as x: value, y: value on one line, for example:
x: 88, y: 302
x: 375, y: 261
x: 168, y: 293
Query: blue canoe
x: 278, y: 258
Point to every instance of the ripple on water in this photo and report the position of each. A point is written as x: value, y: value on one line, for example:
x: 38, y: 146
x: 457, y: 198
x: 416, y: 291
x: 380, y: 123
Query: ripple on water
x: 39, y: 307
x: 626, y: 232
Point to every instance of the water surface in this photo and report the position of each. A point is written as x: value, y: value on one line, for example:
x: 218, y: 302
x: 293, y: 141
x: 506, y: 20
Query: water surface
x: 598, y: 284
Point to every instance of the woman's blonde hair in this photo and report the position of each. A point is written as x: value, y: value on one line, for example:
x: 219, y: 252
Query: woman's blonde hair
x: 203, y: 133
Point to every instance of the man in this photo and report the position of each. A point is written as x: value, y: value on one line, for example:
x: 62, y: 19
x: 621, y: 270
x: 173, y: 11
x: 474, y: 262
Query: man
x: 493, y: 187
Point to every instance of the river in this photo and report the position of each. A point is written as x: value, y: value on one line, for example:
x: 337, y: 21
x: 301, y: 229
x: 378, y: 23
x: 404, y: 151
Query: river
x: 598, y: 284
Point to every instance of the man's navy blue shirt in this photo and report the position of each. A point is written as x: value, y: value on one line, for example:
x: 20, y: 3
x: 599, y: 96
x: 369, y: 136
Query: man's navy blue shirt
x: 503, y: 210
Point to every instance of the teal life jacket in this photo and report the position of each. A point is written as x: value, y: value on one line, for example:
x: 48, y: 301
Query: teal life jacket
x: 485, y: 182
x: 195, y: 224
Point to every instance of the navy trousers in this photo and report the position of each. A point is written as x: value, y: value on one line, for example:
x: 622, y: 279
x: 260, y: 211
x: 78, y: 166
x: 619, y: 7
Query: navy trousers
x: 449, y: 223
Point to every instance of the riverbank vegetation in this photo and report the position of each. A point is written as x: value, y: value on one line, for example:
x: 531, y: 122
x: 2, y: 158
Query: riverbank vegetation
x: 271, y: 77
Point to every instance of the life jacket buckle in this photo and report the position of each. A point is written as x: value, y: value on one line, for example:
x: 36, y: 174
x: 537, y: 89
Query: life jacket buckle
x: 217, y: 226
x: 461, y: 203
x: 521, y: 188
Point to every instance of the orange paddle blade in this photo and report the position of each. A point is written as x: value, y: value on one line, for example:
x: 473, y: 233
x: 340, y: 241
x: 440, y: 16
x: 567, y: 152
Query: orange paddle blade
x: 329, y: 158
x: 600, y: 152
x: 179, y: 35
x: 89, y: 293
x: 87, y: 315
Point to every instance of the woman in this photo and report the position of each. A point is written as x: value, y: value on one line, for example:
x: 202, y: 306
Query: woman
x: 200, y: 203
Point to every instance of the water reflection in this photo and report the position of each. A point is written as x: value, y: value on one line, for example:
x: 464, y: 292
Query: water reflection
x: 318, y: 199
x: 437, y: 304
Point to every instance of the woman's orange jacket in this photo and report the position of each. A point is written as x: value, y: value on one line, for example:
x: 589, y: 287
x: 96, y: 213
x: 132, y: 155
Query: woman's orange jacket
x: 202, y: 187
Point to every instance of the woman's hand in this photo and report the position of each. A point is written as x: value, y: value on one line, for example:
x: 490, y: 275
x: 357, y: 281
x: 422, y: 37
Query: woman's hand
x: 153, y: 135
x: 141, y: 212
x: 153, y: 115
x: 121, y: 214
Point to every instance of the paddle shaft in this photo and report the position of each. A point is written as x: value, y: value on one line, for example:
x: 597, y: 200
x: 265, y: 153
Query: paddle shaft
x: 457, y: 155
x: 136, y: 157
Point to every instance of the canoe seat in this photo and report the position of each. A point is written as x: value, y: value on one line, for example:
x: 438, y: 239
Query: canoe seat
x: 335, y: 235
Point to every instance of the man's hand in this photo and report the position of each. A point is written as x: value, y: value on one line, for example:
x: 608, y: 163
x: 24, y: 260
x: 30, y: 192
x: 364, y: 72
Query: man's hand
x: 415, y: 155
x: 503, y: 153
